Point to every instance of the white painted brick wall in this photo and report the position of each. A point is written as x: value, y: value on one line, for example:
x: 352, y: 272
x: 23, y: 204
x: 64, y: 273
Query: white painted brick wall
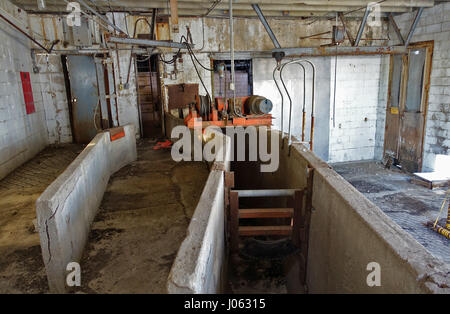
x: 355, y: 132
x: 434, y: 25
x: 55, y: 98
x: 21, y: 136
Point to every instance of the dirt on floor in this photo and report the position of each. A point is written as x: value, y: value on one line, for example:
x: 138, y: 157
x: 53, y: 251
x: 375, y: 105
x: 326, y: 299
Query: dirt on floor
x: 21, y: 265
x: 141, y: 223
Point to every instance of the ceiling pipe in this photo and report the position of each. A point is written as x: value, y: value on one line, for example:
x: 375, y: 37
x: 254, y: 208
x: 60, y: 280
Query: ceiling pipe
x: 27, y: 35
x: 312, y: 3
x: 101, y: 17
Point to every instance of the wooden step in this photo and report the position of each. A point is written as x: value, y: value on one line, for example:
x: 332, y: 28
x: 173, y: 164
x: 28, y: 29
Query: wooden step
x: 266, y: 213
x: 249, y: 231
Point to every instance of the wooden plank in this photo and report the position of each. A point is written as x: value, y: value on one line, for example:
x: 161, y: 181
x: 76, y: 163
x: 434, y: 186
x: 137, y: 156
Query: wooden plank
x: 181, y: 95
x: 304, y: 231
x: 298, y: 222
x: 174, y: 15
x: 234, y: 221
x: 249, y: 231
x: 266, y: 213
x: 229, y: 179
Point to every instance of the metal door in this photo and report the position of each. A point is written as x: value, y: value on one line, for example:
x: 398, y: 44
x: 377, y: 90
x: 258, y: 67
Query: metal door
x: 85, y: 98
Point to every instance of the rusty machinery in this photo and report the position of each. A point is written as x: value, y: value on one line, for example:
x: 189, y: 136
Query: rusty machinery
x: 243, y: 111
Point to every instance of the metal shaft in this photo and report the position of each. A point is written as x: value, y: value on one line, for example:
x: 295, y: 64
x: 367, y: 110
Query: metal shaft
x: 266, y: 25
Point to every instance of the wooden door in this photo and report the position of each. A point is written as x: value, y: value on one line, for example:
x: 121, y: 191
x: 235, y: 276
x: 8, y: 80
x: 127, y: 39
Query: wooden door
x: 407, y: 106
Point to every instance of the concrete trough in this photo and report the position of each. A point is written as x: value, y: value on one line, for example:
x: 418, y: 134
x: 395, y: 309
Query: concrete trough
x: 68, y: 206
x: 200, y: 266
x: 347, y: 234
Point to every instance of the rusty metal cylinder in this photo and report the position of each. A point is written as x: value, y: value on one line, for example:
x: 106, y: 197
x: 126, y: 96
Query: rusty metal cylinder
x: 258, y: 105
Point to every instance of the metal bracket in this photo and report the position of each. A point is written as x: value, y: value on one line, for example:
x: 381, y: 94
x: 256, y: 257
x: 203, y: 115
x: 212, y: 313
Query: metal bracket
x: 396, y: 29
x: 363, y: 25
x: 413, y: 26
x: 347, y: 30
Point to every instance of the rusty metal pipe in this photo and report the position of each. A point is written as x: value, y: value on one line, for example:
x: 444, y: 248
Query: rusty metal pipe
x: 26, y: 34
x: 277, y: 68
x: 313, y: 103
x: 303, y: 125
x: 290, y: 100
x: 304, y: 102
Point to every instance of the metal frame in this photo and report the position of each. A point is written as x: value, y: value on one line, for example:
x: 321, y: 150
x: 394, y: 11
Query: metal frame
x: 413, y: 26
x: 396, y: 29
x: 340, y: 51
x: 149, y: 43
x: 347, y: 30
x: 363, y: 25
x: 266, y: 25
x: 101, y: 17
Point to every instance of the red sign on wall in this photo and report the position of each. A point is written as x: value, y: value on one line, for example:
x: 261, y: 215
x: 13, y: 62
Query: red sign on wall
x: 27, y: 92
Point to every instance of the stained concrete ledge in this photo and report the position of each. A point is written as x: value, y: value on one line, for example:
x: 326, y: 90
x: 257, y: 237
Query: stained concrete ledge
x: 68, y: 206
x: 348, y: 231
x: 199, y: 264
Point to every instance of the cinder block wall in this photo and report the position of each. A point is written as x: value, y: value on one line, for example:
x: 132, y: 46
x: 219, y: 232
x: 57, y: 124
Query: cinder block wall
x: 361, y: 83
x: 22, y: 135
x: 434, y: 25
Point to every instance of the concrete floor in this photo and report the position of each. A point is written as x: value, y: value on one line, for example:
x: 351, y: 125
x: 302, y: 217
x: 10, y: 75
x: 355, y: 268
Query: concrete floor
x: 21, y: 266
x: 409, y: 205
x: 142, y: 221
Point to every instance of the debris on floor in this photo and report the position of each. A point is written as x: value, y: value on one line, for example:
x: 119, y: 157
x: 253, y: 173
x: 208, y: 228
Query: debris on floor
x: 411, y: 206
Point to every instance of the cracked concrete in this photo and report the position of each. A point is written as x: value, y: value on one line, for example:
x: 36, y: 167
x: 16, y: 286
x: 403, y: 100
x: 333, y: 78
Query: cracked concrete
x: 141, y: 223
x: 21, y: 265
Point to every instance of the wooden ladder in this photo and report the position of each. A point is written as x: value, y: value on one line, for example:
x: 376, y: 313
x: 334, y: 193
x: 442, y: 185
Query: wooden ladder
x: 294, y: 213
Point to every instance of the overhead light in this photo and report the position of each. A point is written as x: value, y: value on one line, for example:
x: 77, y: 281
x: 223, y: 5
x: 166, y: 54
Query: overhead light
x: 41, y: 4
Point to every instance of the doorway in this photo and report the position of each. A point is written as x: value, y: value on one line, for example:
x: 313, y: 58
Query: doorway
x: 149, y: 95
x: 409, y: 83
x: 90, y: 87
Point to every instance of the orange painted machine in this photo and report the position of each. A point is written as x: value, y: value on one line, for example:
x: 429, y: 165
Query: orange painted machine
x: 245, y: 111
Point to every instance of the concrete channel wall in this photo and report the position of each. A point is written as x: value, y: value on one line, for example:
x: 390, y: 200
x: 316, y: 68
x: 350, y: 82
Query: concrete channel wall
x: 200, y: 261
x: 348, y: 232
x: 68, y: 206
